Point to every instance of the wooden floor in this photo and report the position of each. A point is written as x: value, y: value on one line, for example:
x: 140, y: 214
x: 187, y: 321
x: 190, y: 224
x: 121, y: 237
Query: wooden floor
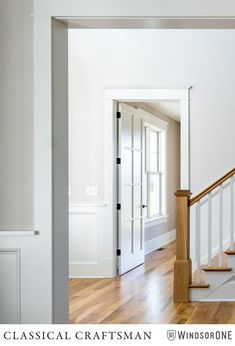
x: 144, y: 295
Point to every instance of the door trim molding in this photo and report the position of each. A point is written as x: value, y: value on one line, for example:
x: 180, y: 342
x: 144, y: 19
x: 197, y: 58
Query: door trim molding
x: 134, y: 94
x: 143, y: 94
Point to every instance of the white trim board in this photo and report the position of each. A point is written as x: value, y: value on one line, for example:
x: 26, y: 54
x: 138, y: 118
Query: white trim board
x: 161, y: 240
x: 18, y: 232
x: 206, y: 10
x: 145, y: 93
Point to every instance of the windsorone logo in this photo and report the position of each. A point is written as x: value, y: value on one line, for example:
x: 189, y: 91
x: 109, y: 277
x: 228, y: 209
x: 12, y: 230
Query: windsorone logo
x: 171, y: 335
x: 199, y: 335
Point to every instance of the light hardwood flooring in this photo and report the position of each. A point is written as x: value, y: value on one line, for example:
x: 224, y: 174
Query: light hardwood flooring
x: 144, y: 295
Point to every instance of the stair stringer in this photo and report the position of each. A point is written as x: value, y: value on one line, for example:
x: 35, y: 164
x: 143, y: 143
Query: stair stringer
x: 225, y: 292
x: 215, y: 280
x: 231, y: 261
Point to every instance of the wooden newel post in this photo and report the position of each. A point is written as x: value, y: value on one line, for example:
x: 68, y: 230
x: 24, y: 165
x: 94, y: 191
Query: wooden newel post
x: 182, y: 267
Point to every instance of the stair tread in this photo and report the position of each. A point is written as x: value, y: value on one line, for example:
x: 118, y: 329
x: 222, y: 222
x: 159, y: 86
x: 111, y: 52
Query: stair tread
x: 217, y: 269
x: 229, y: 252
x: 198, y: 285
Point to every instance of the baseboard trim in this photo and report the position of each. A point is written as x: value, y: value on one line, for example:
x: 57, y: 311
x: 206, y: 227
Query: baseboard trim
x: 86, y: 277
x: 161, y: 240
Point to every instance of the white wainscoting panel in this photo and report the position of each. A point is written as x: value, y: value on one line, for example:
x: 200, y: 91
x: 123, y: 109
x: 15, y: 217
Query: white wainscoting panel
x: 9, y: 286
x: 87, y: 241
x: 84, y: 238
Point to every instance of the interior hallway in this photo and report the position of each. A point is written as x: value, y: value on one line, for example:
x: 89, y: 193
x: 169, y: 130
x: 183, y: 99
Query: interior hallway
x: 144, y: 295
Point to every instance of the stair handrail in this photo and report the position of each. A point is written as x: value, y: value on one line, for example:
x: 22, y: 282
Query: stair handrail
x: 182, y: 266
x: 210, y: 188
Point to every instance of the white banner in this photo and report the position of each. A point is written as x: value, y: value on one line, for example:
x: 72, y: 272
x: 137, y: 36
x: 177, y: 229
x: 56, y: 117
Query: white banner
x: 114, y: 334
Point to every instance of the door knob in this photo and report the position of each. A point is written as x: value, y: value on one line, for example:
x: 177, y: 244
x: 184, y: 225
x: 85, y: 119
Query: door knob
x: 144, y: 206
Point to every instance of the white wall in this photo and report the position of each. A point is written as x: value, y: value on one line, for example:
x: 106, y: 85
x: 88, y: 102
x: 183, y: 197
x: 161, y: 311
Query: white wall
x: 16, y: 114
x: 201, y: 58
x: 206, y: 62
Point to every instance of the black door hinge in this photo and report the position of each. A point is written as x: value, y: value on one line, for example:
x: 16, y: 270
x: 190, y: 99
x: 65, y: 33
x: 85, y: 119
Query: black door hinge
x: 118, y: 206
x: 118, y: 160
x: 118, y: 114
x: 118, y: 252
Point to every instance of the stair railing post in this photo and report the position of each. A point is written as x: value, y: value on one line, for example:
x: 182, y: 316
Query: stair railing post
x: 182, y: 266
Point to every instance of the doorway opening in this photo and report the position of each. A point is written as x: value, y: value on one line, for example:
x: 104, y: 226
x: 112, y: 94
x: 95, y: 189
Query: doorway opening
x: 102, y: 212
x: 93, y: 252
x: 140, y: 127
x: 125, y: 150
x: 95, y: 220
x: 148, y: 174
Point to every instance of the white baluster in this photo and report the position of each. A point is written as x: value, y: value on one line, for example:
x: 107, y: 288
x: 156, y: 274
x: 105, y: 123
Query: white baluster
x: 221, y: 222
x: 209, y: 230
x: 198, y: 242
x: 232, y: 213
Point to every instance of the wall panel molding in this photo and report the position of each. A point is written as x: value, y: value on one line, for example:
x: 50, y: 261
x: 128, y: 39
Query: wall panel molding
x: 10, y: 286
x: 87, y: 242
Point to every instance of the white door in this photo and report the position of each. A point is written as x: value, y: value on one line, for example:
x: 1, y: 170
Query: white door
x: 130, y: 189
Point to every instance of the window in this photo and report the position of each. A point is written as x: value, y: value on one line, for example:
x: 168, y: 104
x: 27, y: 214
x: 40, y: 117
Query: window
x: 155, y: 175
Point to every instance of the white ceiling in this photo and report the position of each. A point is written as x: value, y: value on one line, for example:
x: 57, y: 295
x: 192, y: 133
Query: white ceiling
x: 167, y: 107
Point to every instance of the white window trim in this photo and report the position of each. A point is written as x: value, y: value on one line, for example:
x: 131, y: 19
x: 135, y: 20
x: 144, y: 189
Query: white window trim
x: 150, y: 126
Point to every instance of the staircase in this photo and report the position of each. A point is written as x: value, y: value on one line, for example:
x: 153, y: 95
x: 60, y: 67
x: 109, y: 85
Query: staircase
x: 205, y: 253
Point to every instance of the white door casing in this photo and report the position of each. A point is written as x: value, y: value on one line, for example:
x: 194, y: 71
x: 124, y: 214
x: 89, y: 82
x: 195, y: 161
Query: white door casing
x: 50, y: 256
x: 130, y: 189
x: 50, y: 251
